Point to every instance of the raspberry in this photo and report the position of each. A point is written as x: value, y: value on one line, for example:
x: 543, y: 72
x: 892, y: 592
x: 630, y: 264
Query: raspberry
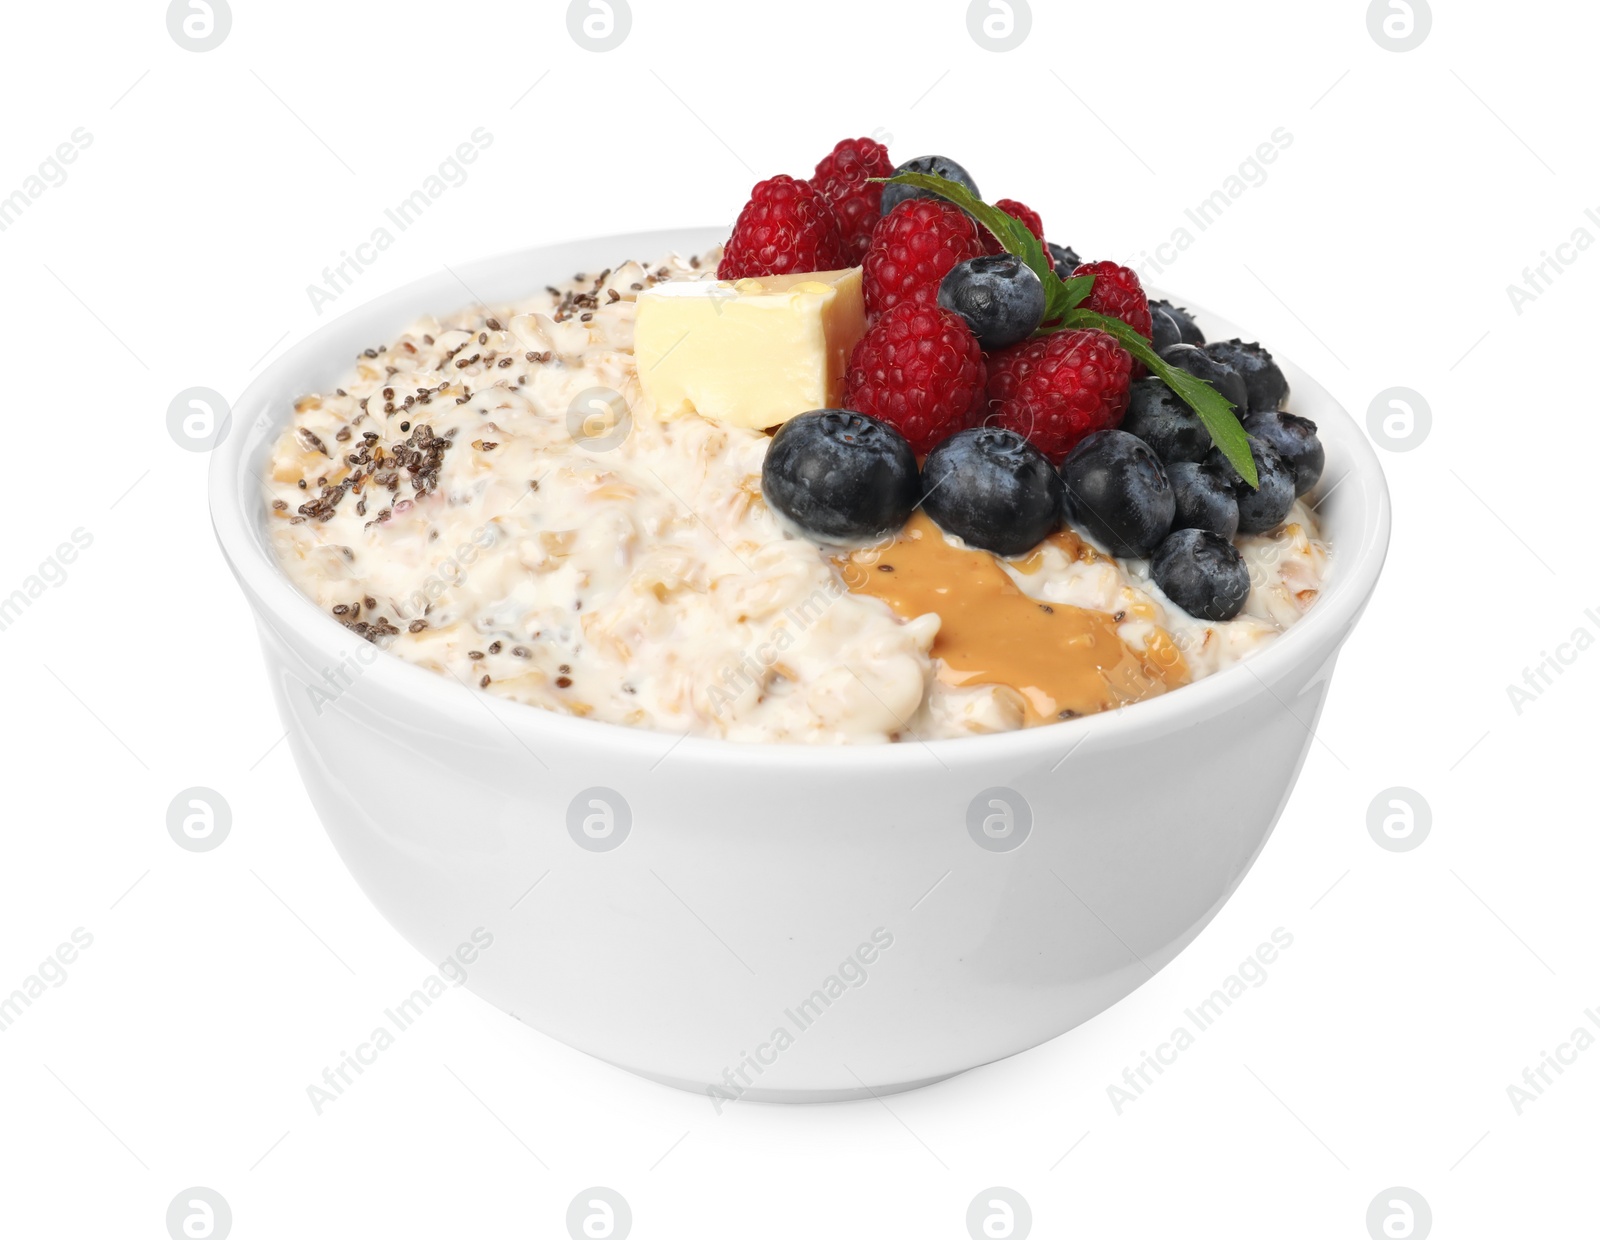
x: 1057, y: 389
x: 912, y: 249
x: 842, y: 178
x: 1028, y: 216
x: 786, y: 226
x: 1118, y: 295
x: 918, y: 368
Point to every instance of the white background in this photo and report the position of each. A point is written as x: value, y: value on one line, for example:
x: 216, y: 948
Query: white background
x: 1378, y: 252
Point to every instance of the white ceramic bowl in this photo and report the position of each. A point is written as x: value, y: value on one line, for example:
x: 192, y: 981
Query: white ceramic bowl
x: 736, y: 939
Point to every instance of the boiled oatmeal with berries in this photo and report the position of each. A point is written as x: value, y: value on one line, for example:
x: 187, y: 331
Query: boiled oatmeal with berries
x: 820, y: 485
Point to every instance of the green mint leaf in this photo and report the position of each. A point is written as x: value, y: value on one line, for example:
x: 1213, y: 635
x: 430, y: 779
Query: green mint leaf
x: 1077, y: 289
x: 1010, y: 232
x: 1214, y: 410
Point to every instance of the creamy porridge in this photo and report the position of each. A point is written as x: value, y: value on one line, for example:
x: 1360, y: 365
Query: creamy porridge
x: 491, y: 496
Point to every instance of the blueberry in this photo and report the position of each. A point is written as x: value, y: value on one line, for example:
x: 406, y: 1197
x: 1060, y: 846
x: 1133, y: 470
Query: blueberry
x: 1205, y: 499
x: 1187, y: 327
x: 1264, y: 507
x: 1264, y: 382
x: 1202, y: 365
x: 1164, y: 331
x: 1296, y: 440
x: 1118, y: 491
x: 1203, y: 574
x: 999, y: 295
x: 841, y: 476
x: 1067, y: 260
x: 992, y: 489
x: 1160, y: 417
x: 937, y: 165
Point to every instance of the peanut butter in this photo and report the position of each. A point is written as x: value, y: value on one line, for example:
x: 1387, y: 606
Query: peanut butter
x: 1061, y: 661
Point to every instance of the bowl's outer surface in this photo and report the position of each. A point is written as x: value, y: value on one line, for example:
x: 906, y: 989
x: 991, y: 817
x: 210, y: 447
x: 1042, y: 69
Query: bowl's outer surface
x: 752, y: 875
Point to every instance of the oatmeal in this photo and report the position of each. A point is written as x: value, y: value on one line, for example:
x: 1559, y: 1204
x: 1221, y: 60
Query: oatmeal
x: 491, y: 497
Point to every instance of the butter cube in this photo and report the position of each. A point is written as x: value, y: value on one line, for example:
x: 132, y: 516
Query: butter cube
x: 752, y: 352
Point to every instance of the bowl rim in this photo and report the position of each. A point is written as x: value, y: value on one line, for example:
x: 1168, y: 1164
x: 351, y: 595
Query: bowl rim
x: 239, y: 522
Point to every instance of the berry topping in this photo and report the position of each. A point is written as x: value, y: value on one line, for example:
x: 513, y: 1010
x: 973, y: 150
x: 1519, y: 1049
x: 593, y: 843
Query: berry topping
x: 913, y: 248
x: 1117, y: 294
x: 1103, y: 297
x: 786, y: 226
x: 1296, y: 440
x: 992, y: 489
x: 1187, y: 328
x: 1064, y: 257
x: 937, y: 165
x: 1164, y: 332
x: 1261, y: 508
x: 843, y: 178
x: 1202, y: 365
x: 919, y: 369
x: 1159, y: 416
x: 1055, y: 390
x: 1203, y: 574
x: 1118, y: 492
x: 999, y: 296
x: 1205, y: 499
x: 841, y: 476
x: 1263, y: 381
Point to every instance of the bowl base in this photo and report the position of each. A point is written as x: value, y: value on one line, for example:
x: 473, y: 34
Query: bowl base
x: 720, y: 1094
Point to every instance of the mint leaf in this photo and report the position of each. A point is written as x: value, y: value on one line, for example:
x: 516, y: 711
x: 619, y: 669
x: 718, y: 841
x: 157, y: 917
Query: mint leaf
x: 1214, y: 410
x: 1010, y: 232
x: 1062, y: 299
x: 1077, y: 289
